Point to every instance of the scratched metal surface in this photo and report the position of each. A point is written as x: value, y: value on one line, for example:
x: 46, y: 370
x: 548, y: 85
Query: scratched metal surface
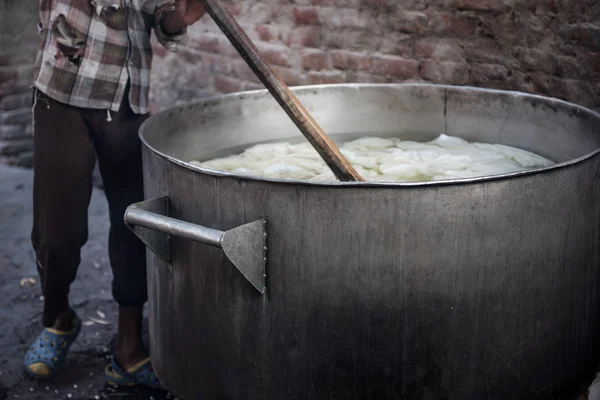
x: 472, y: 289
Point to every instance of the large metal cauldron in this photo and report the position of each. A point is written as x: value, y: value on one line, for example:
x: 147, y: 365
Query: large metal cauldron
x: 470, y: 289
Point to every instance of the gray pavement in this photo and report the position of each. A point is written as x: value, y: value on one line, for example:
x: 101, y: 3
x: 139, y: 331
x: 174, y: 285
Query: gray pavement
x: 22, y: 304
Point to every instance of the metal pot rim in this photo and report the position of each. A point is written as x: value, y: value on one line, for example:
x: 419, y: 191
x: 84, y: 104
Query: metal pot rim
x: 448, y: 182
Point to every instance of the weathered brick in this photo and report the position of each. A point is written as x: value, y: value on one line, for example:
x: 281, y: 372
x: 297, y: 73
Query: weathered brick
x: 395, y: 66
x: 226, y: 84
x: 290, y: 76
x: 362, y: 77
x: 537, y: 60
x: 305, y: 15
x: 8, y: 73
x: 446, y: 72
x: 408, y: 21
x: 382, y: 5
x: 338, y: 3
x: 590, y: 63
x: 324, y: 3
x: 252, y: 86
x: 325, y: 78
x: 543, y: 7
x: 505, y: 28
x: 344, y: 18
x: 16, y: 117
x: 5, y: 59
x: 259, y: 13
x: 397, y: 44
x: 216, y: 63
x: 15, y: 101
x: 314, y: 60
x: 236, y: 9
x: 531, y: 46
x: 227, y: 49
x: 352, y: 61
x: 549, y: 86
x: 207, y: 43
x: 378, y: 24
x: 588, y: 94
x: 517, y: 80
x: 481, y: 5
x: 275, y: 54
x: 12, y: 132
x: 190, y: 56
x: 349, y: 40
x: 453, y: 24
x: 265, y: 33
x: 483, y: 73
x: 21, y: 55
x: 305, y: 36
x: 25, y: 72
x: 15, y: 147
x: 190, y: 82
x: 439, y: 49
x: 587, y: 34
x: 485, y: 50
x: 200, y: 78
x: 242, y: 71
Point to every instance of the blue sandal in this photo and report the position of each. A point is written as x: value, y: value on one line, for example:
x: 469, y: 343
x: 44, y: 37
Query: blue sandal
x: 47, y: 355
x: 140, y: 374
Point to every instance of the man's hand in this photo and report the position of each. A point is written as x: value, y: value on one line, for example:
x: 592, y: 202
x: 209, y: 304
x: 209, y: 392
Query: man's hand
x: 186, y: 13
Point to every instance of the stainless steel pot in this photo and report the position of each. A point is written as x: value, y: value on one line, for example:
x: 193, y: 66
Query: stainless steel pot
x: 481, y: 288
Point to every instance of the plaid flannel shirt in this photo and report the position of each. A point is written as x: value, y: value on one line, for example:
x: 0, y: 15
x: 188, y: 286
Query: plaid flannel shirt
x: 90, y: 50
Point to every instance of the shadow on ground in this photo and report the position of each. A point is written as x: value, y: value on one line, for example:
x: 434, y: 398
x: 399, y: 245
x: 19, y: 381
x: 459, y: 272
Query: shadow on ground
x: 20, y: 314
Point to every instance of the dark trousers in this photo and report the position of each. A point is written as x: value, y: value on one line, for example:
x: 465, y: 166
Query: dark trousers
x: 67, y: 143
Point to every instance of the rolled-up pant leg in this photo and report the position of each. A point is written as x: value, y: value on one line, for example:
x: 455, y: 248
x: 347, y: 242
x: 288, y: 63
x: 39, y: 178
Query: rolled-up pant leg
x: 119, y: 151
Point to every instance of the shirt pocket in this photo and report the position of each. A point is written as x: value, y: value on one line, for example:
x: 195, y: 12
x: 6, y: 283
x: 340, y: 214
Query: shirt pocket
x: 56, y: 57
x: 43, y: 36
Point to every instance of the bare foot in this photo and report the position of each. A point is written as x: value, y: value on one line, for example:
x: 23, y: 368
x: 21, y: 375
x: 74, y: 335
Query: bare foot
x: 130, y: 347
x: 64, y: 321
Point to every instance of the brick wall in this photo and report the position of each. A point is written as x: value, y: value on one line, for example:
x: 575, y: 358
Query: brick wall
x: 549, y: 47
x: 18, y: 45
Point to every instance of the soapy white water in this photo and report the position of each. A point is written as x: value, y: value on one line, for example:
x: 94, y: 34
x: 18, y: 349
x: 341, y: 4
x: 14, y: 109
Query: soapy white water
x: 382, y: 160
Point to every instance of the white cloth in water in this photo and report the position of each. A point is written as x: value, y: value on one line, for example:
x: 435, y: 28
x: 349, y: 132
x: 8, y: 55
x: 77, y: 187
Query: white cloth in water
x: 383, y: 160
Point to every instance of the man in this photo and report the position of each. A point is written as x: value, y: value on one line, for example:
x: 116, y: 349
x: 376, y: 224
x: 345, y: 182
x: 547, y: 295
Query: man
x: 91, y: 87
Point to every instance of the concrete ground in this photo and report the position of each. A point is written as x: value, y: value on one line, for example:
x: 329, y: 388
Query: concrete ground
x: 21, y: 310
x: 21, y: 303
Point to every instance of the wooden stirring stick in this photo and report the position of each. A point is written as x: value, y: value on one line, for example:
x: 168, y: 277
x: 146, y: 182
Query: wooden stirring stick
x: 328, y: 151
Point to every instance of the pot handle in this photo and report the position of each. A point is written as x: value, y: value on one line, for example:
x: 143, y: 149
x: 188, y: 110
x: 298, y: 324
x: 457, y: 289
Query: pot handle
x: 244, y: 246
